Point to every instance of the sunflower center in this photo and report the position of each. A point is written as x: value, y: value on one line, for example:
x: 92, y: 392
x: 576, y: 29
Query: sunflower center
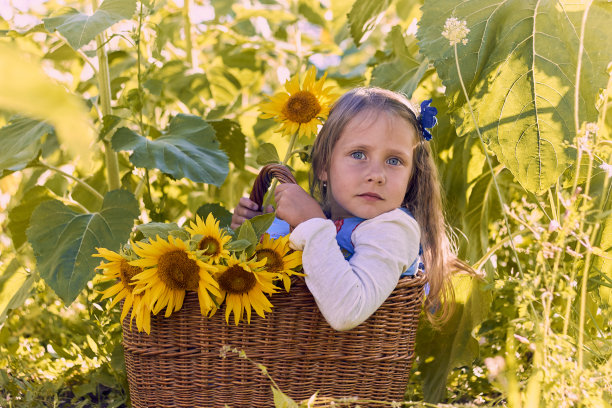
x: 274, y: 262
x: 302, y: 107
x: 211, y: 245
x: 178, y: 271
x: 236, y: 280
x: 127, y: 272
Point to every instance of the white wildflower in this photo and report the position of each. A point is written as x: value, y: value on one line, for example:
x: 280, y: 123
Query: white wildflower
x: 478, y: 371
x: 495, y: 366
x: 553, y: 226
x: 455, y: 31
x: 607, y: 167
x: 591, y: 127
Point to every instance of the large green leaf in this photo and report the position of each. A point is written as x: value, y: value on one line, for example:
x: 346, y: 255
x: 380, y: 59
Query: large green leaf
x: 232, y: 140
x: 15, y: 286
x: 20, y: 142
x: 364, y: 15
x: 19, y: 216
x: 404, y: 72
x: 519, y: 67
x: 188, y: 149
x: 218, y: 211
x: 64, y: 240
x: 453, y: 345
x: 79, y: 29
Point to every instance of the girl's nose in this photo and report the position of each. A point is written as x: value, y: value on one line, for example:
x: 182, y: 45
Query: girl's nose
x: 376, y: 175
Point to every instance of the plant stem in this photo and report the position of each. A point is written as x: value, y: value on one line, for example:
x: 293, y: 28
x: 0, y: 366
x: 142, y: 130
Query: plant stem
x: 87, y: 186
x: 285, y: 161
x: 187, y: 28
x: 484, y: 148
x: 139, y: 63
x: 112, y: 163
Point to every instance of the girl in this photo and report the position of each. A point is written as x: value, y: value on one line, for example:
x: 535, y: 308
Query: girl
x: 375, y: 199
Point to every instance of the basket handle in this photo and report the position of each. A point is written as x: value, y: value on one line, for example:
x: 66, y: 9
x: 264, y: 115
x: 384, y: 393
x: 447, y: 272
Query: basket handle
x: 264, y: 179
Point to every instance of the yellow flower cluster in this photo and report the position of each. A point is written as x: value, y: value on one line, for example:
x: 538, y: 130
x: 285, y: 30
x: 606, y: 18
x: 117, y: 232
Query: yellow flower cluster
x: 155, y: 274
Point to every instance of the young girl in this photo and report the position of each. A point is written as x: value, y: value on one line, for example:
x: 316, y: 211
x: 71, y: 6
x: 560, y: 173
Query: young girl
x: 375, y: 202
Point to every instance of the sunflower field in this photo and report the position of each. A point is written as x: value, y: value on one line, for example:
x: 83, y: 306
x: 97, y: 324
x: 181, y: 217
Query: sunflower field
x: 129, y: 130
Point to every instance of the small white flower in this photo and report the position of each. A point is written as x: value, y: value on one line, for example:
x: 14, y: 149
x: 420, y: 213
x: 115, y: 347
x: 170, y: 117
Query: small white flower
x: 553, y: 226
x: 478, y: 371
x: 455, y: 31
x: 495, y: 365
x: 591, y: 127
x: 607, y: 167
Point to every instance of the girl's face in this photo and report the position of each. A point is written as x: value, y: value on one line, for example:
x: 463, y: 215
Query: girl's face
x: 370, y: 165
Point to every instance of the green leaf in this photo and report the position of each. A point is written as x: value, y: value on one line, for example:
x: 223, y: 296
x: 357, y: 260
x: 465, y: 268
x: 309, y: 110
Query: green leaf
x: 232, y: 140
x: 247, y: 232
x: 109, y: 123
x: 261, y: 223
x: 267, y: 154
x: 26, y: 89
x: 453, y: 345
x: 364, y: 16
x: 238, y: 245
x: 312, y: 11
x: 19, y: 216
x: 64, y: 240
x: 405, y: 71
x: 161, y: 229
x: 188, y: 148
x: 281, y: 400
x: 218, y: 211
x: 20, y: 142
x: 519, y: 68
x: 79, y: 29
x: 15, y: 287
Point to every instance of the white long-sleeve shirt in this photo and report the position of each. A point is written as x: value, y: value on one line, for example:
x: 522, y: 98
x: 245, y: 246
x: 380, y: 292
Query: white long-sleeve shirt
x: 348, y: 292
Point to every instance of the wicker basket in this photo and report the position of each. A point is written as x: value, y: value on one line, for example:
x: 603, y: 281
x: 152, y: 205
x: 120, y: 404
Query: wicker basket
x: 180, y: 363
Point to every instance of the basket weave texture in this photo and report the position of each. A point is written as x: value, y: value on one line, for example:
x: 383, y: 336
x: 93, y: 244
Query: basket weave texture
x: 180, y: 365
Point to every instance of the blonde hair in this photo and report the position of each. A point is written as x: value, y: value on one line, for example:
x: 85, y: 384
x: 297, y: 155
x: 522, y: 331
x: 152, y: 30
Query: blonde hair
x: 423, y: 198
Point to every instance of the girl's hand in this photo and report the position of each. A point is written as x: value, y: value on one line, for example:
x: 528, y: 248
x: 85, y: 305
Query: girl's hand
x: 295, y: 205
x: 245, y: 210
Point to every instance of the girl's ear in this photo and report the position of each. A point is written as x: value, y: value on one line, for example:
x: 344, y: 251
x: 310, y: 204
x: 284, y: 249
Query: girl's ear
x: 323, y: 175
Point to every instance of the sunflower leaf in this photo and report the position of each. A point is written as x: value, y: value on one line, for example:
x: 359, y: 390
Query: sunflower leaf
x: 519, y: 68
x: 188, y: 148
x: 247, y: 232
x: 282, y: 400
x: 21, y: 141
x: 267, y: 154
x: 364, y: 16
x: 161, y: 229
x: 19, y: 216
x: 261, y: 223
x: 232, y: 140
x: 15, y: 287
x: 79, y: 29
x: 65, y: 240
x: 218, y: 211
x: 238, y: 245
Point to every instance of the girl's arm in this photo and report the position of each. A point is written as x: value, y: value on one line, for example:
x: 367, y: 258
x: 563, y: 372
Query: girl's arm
x: 348, y: 292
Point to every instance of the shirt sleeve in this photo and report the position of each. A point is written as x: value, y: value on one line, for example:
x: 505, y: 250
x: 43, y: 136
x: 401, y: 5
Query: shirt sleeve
x: 348, y: 292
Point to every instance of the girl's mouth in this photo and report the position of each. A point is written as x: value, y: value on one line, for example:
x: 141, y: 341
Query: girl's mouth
x: 370, y: 196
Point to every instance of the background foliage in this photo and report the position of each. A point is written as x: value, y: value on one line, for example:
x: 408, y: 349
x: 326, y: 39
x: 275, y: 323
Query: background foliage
x: 128, y: 111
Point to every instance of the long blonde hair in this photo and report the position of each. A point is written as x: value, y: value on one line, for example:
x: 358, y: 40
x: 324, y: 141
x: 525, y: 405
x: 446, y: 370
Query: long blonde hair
x: 423, y: 198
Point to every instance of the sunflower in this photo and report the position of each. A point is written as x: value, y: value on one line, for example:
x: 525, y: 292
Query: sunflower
x: 278, y: 261
x: 242, y: 284
x: 300, y: 109
x: 170, y: 270
x: 212, y: 240
x: 119, y: 268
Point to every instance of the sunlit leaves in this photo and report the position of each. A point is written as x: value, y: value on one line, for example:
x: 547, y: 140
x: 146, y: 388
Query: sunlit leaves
x: 65, y: 240
x: 20, y: 142
x: 364, y: 16
x: 519, y: 67
x: 15, y: 286
x: 232, y: 140
x: 405, y: 70
x: 19, y: 216
x: 79, y: 29
x: 26, y: 89
x: 188, y: 148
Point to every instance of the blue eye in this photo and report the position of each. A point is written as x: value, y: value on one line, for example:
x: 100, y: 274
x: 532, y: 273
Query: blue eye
x: 358, y: 155
x: 394, y: 161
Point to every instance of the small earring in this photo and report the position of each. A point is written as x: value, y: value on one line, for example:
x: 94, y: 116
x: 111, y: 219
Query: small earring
x: 324, y: 184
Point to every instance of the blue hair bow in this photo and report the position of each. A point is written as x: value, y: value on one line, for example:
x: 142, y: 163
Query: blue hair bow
x: 428, y: 118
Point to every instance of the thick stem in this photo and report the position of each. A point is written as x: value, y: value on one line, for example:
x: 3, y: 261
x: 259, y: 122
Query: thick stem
x: 285, y: 161
x: 484, y: 148
x: 112, y: 163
